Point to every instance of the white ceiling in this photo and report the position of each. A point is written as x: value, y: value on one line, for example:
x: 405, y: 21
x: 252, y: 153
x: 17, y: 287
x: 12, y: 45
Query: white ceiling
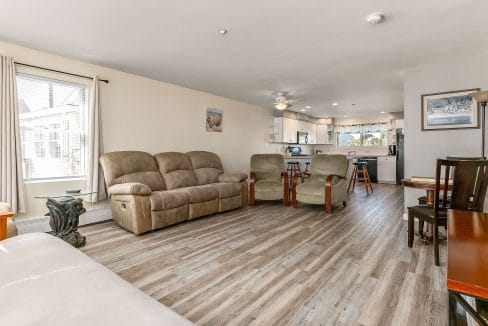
x: 321, y: 51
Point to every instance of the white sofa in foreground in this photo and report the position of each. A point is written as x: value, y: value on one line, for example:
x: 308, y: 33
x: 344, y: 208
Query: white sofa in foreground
x: 45, y: 281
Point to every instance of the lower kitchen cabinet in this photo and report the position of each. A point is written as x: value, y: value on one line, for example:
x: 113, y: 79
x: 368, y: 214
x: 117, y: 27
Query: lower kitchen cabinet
x: 387, y: 169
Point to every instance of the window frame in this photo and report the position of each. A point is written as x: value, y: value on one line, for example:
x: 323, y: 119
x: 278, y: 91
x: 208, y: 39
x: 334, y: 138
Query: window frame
x: 41, y: 73
x: 361, y: 135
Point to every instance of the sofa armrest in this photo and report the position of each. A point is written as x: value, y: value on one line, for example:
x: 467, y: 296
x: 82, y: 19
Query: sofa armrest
x: 233, y: 177
x: 130, y: 189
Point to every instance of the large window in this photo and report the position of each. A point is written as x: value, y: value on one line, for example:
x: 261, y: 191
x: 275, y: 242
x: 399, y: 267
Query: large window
x: 53, y: 117
x: 371, y: 134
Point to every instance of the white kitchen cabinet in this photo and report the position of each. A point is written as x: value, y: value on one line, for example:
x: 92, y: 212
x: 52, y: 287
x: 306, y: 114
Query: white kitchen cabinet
x: 322, y: 134
x: 399, y: 124
x: 387, y: 169
x: 391, y: 137
x: 290, y: 128
x: 312, y: 133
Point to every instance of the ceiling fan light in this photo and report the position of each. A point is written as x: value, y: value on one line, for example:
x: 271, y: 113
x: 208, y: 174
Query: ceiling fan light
x: 281, y: 106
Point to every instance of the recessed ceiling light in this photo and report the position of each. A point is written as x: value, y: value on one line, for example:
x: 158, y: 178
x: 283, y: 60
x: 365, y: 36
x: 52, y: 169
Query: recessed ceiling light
x: 303, y: 110
x: 335, y: 104
x: 345, y: 116
x: 308, y: 107
x: 382, y: 112
x: 222, y: 31
x: 376, y: 18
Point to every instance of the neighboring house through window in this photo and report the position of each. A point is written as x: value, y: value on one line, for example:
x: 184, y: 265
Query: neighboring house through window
x: 369, y: 134
x: 53, y: 127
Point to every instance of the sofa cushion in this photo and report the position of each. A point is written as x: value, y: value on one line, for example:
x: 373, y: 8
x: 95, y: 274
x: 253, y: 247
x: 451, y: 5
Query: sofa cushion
x: 176, y: 170
x: 198, y: 194
x: 233, y: 177
x: 206, y: 165
x: 267, y: 166
x: 325, y: 164
x: 161, y: 200
x: 46, y: 281
x: 268, y: 185
x: 227, y: 190
x: 131, y: 166
x: 130, y: 189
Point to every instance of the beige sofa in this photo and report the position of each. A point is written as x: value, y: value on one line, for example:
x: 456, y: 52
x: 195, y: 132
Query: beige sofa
x: 45, y: 281
x: 150, y: 192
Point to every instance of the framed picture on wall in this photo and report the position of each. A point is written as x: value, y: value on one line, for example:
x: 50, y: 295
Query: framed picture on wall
x: 450, y: 110
x: 214, y: 120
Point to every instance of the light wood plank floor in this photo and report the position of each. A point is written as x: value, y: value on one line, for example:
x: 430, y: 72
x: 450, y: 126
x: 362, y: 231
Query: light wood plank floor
x: 274, y: 265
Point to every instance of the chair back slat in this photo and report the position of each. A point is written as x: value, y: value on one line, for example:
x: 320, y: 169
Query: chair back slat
x: 469, y: 182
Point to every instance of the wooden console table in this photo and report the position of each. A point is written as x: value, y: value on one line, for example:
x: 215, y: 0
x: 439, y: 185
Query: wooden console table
x: 467, y: 261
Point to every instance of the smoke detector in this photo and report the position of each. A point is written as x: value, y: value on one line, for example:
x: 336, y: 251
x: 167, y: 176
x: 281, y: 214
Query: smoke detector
x: 376, y: 18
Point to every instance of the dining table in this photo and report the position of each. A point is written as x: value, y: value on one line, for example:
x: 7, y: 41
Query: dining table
x: 467, y: 264
x: 425, y: 183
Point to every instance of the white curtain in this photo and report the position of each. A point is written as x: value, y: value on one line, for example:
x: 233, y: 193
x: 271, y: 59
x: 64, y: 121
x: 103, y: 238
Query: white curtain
x: 11, y: 177
x: 95, y: 182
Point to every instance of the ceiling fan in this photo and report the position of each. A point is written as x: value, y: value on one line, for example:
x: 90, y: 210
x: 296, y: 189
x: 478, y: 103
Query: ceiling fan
x: 281, y: 101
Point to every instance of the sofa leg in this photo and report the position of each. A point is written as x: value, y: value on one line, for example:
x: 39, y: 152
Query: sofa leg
x: 344, y: 204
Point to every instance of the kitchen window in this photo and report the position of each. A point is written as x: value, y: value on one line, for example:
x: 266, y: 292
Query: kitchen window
x: 370, y: 134
x: 53, y: 125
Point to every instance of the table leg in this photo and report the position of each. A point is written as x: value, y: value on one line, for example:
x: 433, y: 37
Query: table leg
x: 64, y: 218
x: 3, y: 224
x: 3, y: 228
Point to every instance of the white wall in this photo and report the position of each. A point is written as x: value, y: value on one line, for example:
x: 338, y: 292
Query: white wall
x: 148, y: 115
x: 422, y: 148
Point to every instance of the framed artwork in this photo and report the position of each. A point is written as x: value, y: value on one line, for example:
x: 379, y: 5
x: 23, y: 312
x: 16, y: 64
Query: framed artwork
x: 450, y: 110
x: 213, y: 120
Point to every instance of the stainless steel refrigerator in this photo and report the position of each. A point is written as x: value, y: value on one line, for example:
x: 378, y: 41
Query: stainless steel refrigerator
x: 400, y: 157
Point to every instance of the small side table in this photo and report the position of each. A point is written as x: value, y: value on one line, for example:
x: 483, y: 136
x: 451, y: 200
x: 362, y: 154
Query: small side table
x: 64, y: 213
x: 3, y: 224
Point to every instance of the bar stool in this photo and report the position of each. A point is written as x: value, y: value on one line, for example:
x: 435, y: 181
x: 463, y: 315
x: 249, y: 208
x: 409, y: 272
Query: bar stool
x: 306, y: 174
x: 293, y: 168
x: 360, y: 173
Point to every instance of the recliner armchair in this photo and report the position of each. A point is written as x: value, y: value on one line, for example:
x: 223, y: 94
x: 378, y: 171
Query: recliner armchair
x: 327, y: 185
x: 269, y: 180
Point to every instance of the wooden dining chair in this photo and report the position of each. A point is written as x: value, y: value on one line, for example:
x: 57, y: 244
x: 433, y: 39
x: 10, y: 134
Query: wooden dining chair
x: 464, y: 184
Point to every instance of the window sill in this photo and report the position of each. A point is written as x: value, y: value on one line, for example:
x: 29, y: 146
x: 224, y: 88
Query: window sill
x: 47, y: 180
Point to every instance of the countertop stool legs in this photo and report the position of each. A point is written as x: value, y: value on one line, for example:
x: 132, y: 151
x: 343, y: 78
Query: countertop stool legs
x: 360, y: 173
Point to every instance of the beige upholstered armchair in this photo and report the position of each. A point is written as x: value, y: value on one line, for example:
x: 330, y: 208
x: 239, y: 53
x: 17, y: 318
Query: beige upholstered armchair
x: 11, y: 227
x: 327, y: 185
x: 269, y: 180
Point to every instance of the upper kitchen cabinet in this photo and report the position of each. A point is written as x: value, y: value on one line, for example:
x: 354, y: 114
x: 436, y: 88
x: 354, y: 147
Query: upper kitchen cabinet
x: 284, y: 130
x: 325, y: 134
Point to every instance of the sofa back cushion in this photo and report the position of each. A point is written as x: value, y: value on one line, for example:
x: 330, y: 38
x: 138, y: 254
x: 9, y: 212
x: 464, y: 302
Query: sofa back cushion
x: 206, y: 165
x: 267, y: 166
x: 176, y: 170
x: 131, y: 166
x: 324, y: 164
